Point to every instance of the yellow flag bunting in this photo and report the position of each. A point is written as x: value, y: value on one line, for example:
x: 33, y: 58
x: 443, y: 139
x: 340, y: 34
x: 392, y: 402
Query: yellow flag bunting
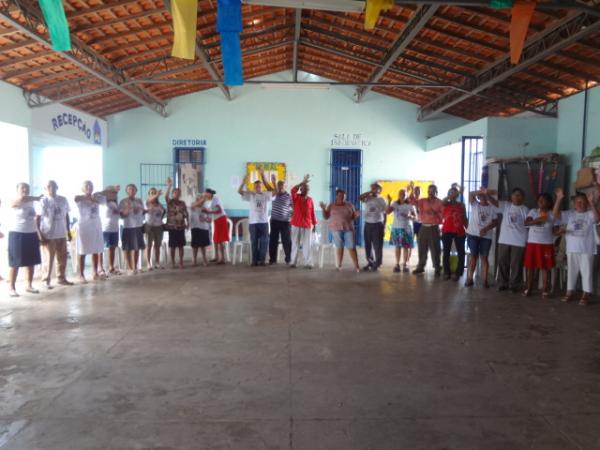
x: 184, y: 14
x: 374, y: 8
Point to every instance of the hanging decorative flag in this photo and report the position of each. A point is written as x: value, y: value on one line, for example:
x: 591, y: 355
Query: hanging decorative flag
x: 229, y: 25
x: 374, y: 8
x: 185, y: 17
x: 522, y: 11
x: 56, y: 22
x: 501, y: 4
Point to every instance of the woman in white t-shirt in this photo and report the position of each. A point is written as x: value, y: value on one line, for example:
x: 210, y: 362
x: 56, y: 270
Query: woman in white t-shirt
x: 90, y: 240
x: 402, y: 237
x: 110, y: 230
x: 512, y: 241
x: 484, y: 218
x: 539, y: 252
x: 220, y: 224
x: 23, y: 240
x: 579, y: 225
x: 200, y: 229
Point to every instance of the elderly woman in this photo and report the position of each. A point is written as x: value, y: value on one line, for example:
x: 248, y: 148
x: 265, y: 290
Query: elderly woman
x: 23, y: 240
x: 341, y: 215
x: 90, y: 240
x: 177, y: 222
x: 132, y: 237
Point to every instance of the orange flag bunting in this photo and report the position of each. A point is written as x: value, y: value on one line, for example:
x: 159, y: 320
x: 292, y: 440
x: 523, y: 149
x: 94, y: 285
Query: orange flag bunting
x: 522, y: 11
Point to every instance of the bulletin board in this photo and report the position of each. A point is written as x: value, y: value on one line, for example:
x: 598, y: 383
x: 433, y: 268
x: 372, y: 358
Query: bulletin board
x: 391, y: 188
x: 271, y: 168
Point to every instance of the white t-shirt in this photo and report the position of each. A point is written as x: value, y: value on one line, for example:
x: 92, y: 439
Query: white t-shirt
x: 24, y: 218
x: 135, y: 218
x: 198, y: 219
x: 53, y: 217
x: 513, y: 230
x: 90, y: 210
x: 581, y: 228
x: 155, y: 214
x: 401, y: 212
x: 481, y: 217
x: 375, y: 210
x: 110, y: 217
x: 259, y: 206
x: 541, y: 233
x: 216, y: 201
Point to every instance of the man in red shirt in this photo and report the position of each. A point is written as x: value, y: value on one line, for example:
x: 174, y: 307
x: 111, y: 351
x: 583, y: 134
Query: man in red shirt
x: 430, y: 211
x: 303, y: 223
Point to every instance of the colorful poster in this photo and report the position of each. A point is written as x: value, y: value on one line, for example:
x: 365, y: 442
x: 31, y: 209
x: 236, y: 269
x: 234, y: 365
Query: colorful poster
x: 270, y: 168
x: 391, y: 188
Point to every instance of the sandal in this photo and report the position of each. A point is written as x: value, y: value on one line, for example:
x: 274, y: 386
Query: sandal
x: 527, y: 293
x: 568, y: 298
x: 32, y: 290
x: 585, y: 300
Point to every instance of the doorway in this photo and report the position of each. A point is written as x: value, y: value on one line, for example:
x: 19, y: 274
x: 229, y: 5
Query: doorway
x: 346, y: 174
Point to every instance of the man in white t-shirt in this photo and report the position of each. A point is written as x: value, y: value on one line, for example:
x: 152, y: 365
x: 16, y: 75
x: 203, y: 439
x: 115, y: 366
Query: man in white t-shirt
x: 375, y: 209
x: 54, y: 230
x: 512, y: 241
x: 258, y: 218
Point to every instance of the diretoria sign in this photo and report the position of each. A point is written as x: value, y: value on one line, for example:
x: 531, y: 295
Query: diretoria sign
x: 66, y: 122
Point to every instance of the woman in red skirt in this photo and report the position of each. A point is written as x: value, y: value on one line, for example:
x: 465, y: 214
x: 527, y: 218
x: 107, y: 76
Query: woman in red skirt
x: 220, y: 224
x: 539, y: 252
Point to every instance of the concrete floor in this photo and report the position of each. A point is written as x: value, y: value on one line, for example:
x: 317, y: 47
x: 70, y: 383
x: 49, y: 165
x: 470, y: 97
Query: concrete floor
x: 223, y: 358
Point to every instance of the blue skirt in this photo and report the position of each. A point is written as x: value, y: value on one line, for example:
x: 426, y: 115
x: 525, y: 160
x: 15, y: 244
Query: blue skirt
x: 23, y: 249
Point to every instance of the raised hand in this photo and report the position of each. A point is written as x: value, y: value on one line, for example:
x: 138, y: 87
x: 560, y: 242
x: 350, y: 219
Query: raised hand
x: 169, y: 182
x: 322, y: 205
x: 389, y: 198
x: 306, y: 179
x: 273, y: 179
x: 560, y: 194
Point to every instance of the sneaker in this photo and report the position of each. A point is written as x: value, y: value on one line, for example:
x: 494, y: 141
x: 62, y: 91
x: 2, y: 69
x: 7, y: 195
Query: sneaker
x: 292, y: 266
x: 49, y: 287
x: 12, y: 293
x: 469, y: 283
x: 308, y: 266
x: 405, y: 269
x: 396, y: 268
x: 418, y: 271
x: 367, y: 268
x: 32, y: 290
x: 65, y: 283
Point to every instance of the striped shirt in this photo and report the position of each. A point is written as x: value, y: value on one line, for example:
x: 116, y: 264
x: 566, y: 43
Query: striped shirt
x: 281, y: 208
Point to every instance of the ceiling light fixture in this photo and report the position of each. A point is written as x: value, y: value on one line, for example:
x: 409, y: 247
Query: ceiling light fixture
x: 295, y: 86
x: 324, y: 5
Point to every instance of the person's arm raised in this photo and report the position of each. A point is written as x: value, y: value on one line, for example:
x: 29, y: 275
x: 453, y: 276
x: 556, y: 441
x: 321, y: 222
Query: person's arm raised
x: 269, y: 187
x: 241, y: 189
x: 169, y: 183
x: 326, y: 210
x: 559, y: 198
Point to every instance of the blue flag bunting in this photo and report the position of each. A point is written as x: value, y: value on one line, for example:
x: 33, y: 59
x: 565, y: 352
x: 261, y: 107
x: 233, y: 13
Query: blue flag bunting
x: 229, y: 25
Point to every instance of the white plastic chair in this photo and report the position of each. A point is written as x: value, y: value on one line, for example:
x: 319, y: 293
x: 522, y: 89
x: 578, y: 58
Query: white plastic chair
x: 323, y: 243
x: 242, y: 226
x: 227, y: 244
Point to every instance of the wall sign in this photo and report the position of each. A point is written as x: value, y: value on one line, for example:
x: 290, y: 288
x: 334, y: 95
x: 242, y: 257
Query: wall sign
x: 67, y: 122
x: 350, y: 140
x: 175, y: 142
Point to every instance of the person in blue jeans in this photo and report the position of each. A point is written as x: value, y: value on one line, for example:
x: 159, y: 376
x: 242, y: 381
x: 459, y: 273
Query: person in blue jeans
x: 258, y: 217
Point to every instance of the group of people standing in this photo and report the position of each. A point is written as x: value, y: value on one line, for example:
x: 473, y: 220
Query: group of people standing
x: 439, y: 226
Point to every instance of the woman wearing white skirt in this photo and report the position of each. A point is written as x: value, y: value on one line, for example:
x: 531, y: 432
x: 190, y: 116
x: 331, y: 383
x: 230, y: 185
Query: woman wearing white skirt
x: 90, y: 240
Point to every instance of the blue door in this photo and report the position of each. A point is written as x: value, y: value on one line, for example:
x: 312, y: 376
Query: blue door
x: 346, y: 174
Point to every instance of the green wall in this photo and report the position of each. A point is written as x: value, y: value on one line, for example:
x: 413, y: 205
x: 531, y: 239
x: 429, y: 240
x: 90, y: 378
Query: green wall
x: 291, y: 126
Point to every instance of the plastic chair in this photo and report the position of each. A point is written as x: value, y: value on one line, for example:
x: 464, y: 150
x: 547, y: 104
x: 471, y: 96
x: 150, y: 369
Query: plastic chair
x: 323, y: 243
x: 227, y: 245
x: 242, y: 226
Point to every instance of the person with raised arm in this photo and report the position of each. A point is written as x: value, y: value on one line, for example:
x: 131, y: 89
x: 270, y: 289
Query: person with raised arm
x: 303, y: 223
x: 220, y: 224
x: 454, y: 224
x: 414, y: 194
x: 578, y: 225
x: 281, y: 211
x: 258, y: 217
x: 132, y: 212
x: 53, y: 227
x: 484, y: 218
x: 23, y: 239
x: 90, y: 240
x: 110, y: 230
x: 374, y: 229
x: 341, y: 216
x: 430, y: 211
x: 200, y: 228
x: 512, y: 241
x: 154, y: 228
x: 402, y: 237
x: 177, y: 222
